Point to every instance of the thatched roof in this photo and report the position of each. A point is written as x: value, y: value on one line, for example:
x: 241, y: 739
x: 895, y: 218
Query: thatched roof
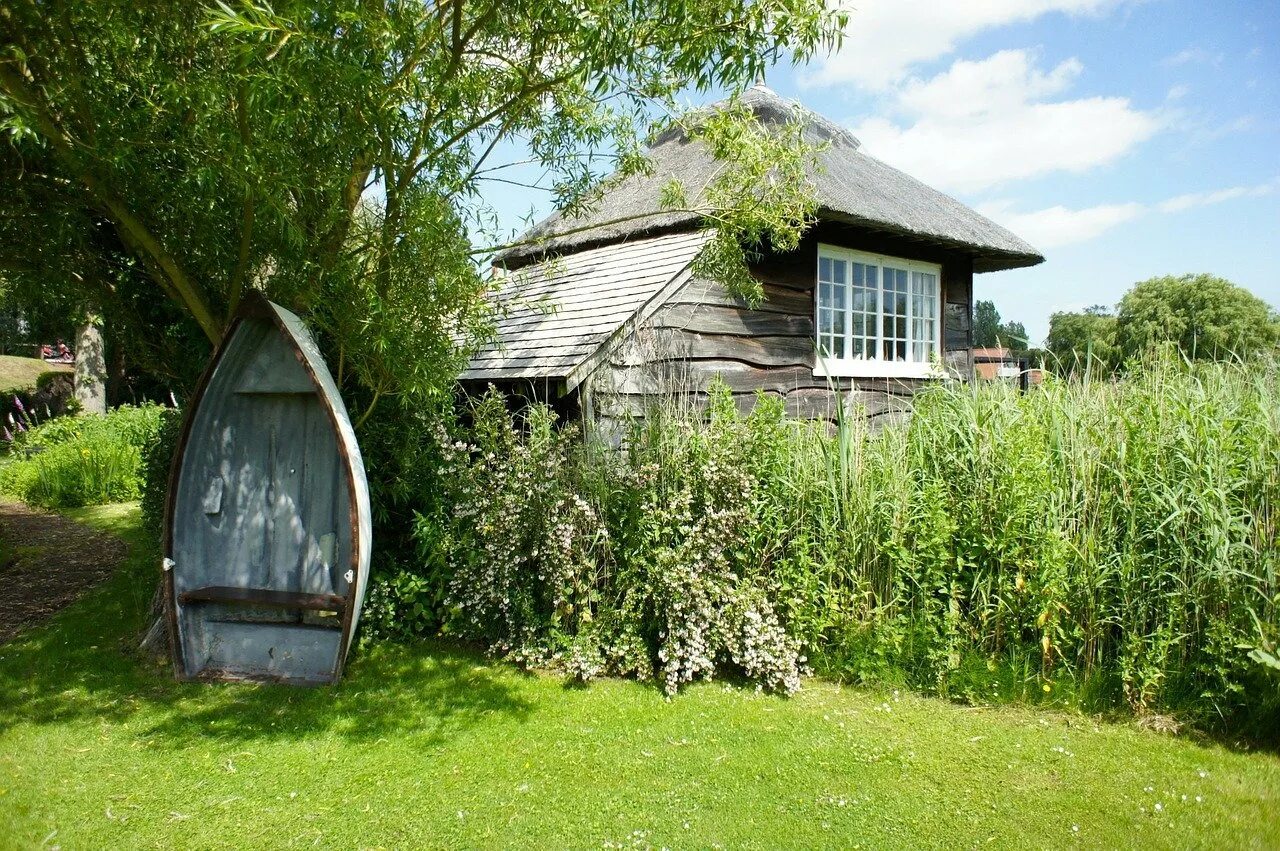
x: 850, y: 187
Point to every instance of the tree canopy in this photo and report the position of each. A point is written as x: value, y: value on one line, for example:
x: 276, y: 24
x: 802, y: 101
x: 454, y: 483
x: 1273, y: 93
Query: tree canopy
x: 335, y: 154
x: 1206, y: 317
x: 1087, y: 338
x: 990, y: 332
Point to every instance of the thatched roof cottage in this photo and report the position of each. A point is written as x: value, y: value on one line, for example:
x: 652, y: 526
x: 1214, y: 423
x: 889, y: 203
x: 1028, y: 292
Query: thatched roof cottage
x: 879, y: 293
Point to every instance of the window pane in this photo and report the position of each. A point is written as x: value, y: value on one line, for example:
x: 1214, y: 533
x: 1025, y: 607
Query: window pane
x: 871, y: 311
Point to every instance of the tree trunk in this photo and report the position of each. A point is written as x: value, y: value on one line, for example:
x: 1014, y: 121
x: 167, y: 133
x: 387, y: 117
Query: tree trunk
x: 91, y: 370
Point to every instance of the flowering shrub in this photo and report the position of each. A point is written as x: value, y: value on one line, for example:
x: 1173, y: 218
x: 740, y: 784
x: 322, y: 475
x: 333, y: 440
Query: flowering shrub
x: 659, y: 583
x: 522, y: 546
x: 689, y: 509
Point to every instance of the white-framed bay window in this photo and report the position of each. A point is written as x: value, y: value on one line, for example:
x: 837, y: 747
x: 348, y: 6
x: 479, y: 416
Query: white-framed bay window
x: 876, y: 315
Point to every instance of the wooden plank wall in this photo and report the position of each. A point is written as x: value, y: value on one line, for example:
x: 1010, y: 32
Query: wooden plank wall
x: 703, y: 332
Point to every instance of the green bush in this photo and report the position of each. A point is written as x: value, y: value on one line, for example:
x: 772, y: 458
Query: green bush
x: 1109, y: 545
x: 68, y: 462
x: 157, y: 458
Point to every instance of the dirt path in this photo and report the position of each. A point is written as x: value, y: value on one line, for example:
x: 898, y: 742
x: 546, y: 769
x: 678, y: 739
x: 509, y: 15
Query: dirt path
x: 46, y: 562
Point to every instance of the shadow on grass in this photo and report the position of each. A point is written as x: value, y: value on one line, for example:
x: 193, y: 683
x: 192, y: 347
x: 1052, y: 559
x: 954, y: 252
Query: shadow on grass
x: 82, y: 666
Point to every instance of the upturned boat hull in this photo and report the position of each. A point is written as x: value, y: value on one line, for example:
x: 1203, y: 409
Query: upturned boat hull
x: 267, y: 524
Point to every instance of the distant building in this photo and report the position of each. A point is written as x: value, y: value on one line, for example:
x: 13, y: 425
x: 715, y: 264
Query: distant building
x: 994, y: 363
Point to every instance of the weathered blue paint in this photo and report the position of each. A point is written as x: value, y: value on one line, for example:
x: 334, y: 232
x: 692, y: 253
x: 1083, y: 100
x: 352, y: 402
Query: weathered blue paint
x: 268, y: 529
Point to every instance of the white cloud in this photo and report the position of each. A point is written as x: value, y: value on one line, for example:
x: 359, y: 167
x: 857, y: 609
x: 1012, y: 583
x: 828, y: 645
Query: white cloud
x: 1057, y: 226
x: 1192, y: 55
x: 982, y: 123
x: 1203, y: 199
x: 885, y: 38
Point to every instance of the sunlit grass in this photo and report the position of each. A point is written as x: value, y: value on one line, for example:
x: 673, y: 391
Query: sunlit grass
x: 22, y: 373
x: 431, y: 746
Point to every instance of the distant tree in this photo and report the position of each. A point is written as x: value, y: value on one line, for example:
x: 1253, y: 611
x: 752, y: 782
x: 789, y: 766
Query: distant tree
x: 1036, y: 356
x: 990, y: 332
x: 1087, y: 338
x: 1013, y: 336
x: 986, y: 324
x: 1207, y: 317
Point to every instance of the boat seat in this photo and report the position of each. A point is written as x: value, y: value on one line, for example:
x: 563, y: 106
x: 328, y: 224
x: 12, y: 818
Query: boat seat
x: 268, y: 597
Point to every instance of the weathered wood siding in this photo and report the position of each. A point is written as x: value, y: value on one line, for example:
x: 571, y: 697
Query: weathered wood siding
x: 702, y: 332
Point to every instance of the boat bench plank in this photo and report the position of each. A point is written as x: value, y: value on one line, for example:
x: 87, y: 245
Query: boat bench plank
x: 264, y: 597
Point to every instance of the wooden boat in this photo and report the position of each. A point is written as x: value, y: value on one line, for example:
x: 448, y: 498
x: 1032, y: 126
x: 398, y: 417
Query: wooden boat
x: 267, y: 525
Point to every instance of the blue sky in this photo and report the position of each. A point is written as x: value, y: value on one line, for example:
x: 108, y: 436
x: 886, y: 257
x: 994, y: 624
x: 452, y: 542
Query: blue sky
x: 1124, y: 138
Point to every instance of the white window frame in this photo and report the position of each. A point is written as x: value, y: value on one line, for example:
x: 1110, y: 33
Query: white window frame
x: 874, y: 367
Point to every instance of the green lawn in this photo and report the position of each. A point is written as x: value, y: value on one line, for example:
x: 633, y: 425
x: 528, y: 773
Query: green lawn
x: 21, y: 373
x: 432, y: 747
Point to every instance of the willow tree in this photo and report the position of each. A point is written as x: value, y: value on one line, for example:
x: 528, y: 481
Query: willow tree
x: 335, y: 153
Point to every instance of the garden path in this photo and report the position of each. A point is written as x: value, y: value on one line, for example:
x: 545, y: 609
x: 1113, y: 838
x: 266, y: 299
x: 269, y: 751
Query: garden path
x: 46, y: 562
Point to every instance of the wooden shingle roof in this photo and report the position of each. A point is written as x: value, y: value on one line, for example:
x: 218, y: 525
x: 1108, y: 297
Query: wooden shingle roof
x: 554, y: 316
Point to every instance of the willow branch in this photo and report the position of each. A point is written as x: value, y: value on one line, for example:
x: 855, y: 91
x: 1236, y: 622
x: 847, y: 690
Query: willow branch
x: 133, y: 231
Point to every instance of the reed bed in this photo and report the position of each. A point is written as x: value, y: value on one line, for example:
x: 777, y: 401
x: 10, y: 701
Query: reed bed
x: 1104, y: 544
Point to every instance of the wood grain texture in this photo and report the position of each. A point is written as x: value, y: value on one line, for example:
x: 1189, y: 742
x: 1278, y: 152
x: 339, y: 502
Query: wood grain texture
x: 268, y: 496
x: 702, y: 334
x: 264, y: 597
x: 710, y: 319
x: 571, y: 306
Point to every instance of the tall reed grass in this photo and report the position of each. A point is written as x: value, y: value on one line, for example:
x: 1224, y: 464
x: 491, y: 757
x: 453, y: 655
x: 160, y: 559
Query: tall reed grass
x: 1111, y: 541
x: 1105, y: 544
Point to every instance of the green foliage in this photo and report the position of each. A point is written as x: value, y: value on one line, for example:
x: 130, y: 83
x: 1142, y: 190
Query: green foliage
x: 762, y: 198
x: 520, y: 556
x: 74, y: 461
x: 157, y: 460
x: 1080, y: 342
x: 990, y: 332
x: 1206, y: 317
x: 250, y: 160
x: 1094, y: 543
x: 160, y: 160
x: 1202, y: 316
